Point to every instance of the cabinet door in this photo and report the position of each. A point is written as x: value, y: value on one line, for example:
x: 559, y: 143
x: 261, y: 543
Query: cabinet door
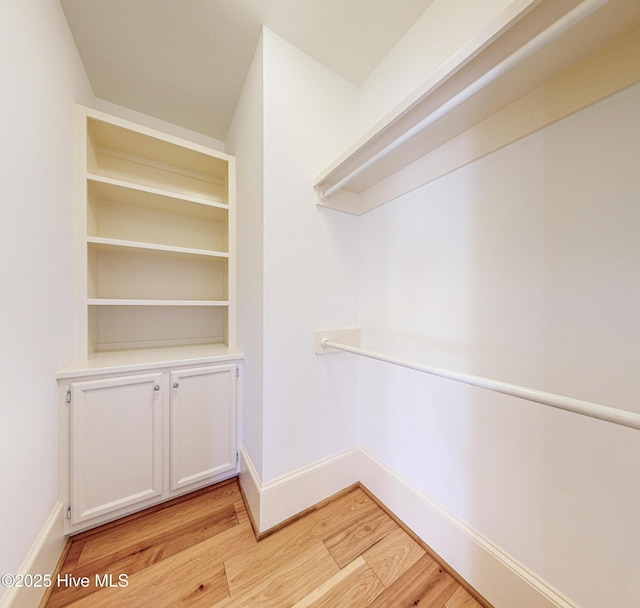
x: 203, y: 424
x: 116, y: 444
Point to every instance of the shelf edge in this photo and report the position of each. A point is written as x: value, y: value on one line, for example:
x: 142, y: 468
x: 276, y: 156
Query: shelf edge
x: 98, y: 240
x: 133, y: 302
x: 111, y: 181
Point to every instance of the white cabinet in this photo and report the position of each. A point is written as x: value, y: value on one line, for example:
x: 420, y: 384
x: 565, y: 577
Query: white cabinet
x: 116, y: 444
x: 202, y: 424
x: 137, y: 439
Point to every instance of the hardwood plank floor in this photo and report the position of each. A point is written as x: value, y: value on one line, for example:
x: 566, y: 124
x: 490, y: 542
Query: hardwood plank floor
x: 200, y: 552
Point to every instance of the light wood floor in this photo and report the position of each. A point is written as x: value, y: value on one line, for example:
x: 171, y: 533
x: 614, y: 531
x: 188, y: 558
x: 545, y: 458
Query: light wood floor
x: 201, y: 552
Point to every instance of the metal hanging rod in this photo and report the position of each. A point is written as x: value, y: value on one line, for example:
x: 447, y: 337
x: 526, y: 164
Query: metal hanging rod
x: 525, y: 51
x: 577, y: 406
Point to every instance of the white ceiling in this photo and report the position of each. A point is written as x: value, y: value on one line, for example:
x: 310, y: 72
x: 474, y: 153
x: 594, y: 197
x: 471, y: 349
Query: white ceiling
x: 185, y: 61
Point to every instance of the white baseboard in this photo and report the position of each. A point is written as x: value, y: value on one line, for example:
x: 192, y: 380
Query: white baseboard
x: 282, y: 498
x: 251, y: 486
x: 497, y: 576
x: 41, y: 560
x: 500, y: 578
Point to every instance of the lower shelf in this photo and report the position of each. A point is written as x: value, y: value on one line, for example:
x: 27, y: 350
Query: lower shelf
x: 148, y: 325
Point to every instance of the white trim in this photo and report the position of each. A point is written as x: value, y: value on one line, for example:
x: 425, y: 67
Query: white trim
x: 498, y: 576
x: 41, y: 560
x: 495, y: 574
x: 282, y: 498
x: 251, y: 484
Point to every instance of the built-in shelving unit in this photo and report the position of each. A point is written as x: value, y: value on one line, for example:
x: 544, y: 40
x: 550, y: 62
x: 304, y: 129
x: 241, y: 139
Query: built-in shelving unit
x: 156, y: 240
x: 532, y: 48
x: 148, y: 408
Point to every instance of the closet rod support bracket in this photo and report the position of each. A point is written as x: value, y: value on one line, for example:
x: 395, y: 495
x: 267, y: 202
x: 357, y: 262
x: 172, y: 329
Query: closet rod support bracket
x: 346, y: 335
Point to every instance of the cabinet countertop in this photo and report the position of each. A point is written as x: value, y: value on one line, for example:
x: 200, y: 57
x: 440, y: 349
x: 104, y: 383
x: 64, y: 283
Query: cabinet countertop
x: 144, y: 359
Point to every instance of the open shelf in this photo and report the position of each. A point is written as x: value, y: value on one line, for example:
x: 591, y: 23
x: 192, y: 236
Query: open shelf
x: 116, y: 272
x: 129, y: 214
x: 118, y: 244
x: 525, y: 69
x: 156, y: 256
x: 135, y: 156
x: 131, y: 193
x: 143, y: 325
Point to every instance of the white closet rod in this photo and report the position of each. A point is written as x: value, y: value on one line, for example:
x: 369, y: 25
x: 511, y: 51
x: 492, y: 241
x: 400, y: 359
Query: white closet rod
x: 577, y: 406
x: 553, y: 31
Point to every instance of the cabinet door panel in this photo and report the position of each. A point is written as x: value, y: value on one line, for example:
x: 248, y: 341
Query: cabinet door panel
x: 203, y: 424
x: 116, y: 444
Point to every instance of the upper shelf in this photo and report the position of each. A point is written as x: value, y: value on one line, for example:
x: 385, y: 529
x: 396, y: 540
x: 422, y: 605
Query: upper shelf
x: 509, y: 61
x: 138, y: 195
x: 120, y: 153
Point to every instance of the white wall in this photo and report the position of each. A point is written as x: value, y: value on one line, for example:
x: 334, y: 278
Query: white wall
x: 310, y: 256
x: 523, y: 267
x: 444, y: 29
x: 41, y: 76
x: 245, y: 141
x: 159, y: 125
x: 520, y: 266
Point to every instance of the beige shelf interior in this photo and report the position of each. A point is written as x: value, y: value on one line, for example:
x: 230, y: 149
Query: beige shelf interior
x: 127, y: 155
x: 155, y: 251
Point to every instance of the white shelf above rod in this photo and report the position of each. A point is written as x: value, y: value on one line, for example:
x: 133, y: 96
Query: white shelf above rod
x: 527, y: 50
x: 577, y: 406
